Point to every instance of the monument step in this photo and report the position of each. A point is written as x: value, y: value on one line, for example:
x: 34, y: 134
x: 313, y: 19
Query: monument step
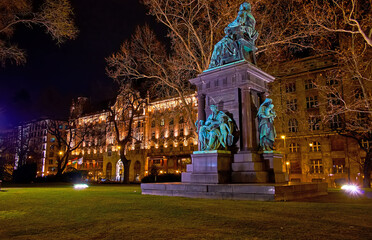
x: 201, y: 178
x: 248, y: 166
x: 260, y: 192
x: 250, y: 177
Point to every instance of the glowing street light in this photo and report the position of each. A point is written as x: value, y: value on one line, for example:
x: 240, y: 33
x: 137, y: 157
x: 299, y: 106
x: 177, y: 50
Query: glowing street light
x: 282, y: 137
x: 60, y: 152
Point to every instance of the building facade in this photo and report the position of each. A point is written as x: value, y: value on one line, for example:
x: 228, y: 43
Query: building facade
x: 164, y: 136
x: 312, y: 151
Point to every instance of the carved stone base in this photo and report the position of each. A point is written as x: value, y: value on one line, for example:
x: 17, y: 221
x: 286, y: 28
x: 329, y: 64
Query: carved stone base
x: 209, y: 167
x: 248, y: 167
x: 274, y: 165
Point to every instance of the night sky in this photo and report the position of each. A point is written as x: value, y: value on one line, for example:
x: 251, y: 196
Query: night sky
x: 53, y: 75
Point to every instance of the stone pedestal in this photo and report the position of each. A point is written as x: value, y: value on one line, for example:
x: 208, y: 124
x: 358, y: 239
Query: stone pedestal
x: 248, y: 167
x: 274, y: 164
x: 209, y: 167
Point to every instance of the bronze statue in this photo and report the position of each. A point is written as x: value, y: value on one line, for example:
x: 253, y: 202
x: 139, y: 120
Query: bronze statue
x: 216, y: 133
x: 266, y: 115
x: 239, y: 39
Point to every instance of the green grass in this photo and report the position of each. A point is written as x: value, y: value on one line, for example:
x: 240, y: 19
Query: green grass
x: 121, y: 212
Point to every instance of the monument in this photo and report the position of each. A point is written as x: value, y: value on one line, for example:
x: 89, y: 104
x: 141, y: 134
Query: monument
x: 236, y: 157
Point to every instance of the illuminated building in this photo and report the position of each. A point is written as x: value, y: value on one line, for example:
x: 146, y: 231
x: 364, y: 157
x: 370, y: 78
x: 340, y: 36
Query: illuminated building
x: 312, y: 151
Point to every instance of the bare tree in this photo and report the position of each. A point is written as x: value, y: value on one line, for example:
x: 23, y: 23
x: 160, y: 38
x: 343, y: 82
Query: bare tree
x: 346, y: 89
x: 67, y: 140
x: 194, y: 27
x: 55, y: 16
x: 129, y: 105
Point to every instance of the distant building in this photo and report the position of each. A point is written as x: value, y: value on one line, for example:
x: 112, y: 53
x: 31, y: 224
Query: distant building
x: 312, y: 151
x: 165, y: 137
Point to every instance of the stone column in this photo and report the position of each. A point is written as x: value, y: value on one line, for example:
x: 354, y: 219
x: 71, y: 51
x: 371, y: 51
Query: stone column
x: 247, y: 121
x: 201, y: 107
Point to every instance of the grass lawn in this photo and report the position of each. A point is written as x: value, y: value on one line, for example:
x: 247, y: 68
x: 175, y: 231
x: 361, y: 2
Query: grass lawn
x: 121, y: 212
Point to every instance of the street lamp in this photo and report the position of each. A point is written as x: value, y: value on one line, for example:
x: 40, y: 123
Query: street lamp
x: 60, y: 153
x: 285, y: 155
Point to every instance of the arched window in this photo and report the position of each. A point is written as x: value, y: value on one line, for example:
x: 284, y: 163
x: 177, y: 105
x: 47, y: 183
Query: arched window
x: 181, y: 120
x: 153, y: 123
x: 315, y: 147
x: 294, y: 147
x: 108, y: 170
x: 293, y: 125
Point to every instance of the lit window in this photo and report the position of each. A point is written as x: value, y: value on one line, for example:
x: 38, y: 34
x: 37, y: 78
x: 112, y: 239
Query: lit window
x: 316, y: 166
x: 339, y: 165
x: 162, y: 122
x: 294, y: 147
x: 365, y: 144
x: 315, y: 147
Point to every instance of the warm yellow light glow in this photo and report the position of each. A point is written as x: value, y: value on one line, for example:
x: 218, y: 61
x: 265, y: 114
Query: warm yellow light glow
x: 310, y: 144
x: 60, y: 152
x: 177, y: 171
x: 283, y: 137
x: 119, y: 147
x: 161, y: 171
x: 287, y: 163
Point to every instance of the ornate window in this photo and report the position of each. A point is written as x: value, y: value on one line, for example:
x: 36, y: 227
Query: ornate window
x: 292, y: 105
x: 294, y: 147
x: 311, y: 102
x: 333, y: 100
x: 365, y: 144
x: 315, y: 147
x: 171, y: 121
x: 181, y: 132
x: 290, y: 87
x: 293, y: 125
x: 153, y: 123
x: 309, y: 84
x: 339, y: 165
x: 316, y: 166
x: 335, y: 122
x: 181, y: 120
x: 331, y: 82
x: 314, y: 123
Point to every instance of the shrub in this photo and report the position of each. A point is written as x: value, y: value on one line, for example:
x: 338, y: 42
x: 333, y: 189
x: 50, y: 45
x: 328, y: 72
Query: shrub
x: 25, y: 173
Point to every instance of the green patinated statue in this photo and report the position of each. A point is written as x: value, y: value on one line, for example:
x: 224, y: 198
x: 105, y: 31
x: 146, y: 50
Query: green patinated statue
x: 239, y: 39
x: 266, y: 115
x: 216, y: 133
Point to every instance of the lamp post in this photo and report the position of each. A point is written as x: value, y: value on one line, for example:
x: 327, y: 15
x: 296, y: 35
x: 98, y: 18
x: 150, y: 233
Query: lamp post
x: 285, y: 156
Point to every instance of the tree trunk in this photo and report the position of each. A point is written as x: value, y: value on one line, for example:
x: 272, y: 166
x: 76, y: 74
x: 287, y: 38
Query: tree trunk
x: 126, y: 164
x: 367, y: 170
